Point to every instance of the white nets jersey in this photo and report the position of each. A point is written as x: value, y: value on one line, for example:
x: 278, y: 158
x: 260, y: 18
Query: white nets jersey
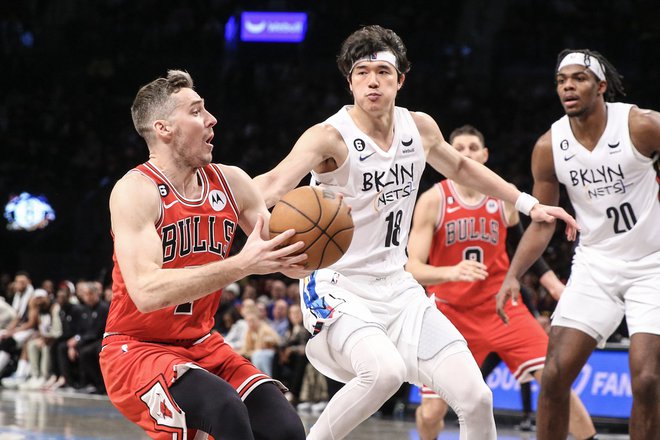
x: 612, y: 188
x: 381, y: 187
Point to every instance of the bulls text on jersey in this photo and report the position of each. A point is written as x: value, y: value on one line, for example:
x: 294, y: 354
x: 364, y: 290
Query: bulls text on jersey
x: 471, y: 228
x: 185, y: 236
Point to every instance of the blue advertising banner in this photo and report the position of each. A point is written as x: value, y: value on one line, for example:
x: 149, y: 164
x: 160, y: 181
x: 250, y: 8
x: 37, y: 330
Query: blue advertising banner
x: 603, y: 385
x: 273, y: 27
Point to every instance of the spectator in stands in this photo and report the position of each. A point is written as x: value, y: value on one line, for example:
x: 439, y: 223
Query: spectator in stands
x: 39, y: 347
x: 280, y: 321
x: 68, y: 315
x: 86, y: 345
x: 260, y: 343
x: 291, y: 359
x: 20, y: 329
x: 235, y: 337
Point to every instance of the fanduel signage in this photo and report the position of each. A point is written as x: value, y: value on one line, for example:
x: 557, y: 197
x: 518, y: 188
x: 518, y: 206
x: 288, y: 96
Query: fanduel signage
x: 603, y: 385
x: 275, y: 27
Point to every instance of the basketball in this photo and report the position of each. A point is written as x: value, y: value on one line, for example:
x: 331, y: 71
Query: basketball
x: 322, y: 221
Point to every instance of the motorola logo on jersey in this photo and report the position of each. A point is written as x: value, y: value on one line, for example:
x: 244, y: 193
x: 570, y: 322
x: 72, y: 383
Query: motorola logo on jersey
x: 359, y: 144
x: 218, y: 200
x: 564, y: 145
x: 407, y: 143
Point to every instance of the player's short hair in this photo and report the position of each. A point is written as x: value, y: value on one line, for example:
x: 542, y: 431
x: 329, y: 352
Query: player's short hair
x: 467, y: 129
x: 612, y: 76
x: 153, y: 101
x: 369, y: 40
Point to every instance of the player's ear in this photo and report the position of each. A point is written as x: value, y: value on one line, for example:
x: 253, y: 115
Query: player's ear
x: 602, y: 87
x: 401, y: 80
x: 162, y: 128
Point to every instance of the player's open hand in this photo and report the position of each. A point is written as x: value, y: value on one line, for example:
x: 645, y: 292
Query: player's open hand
x: 549, y: 214
x: 276, y: 255
x: 470, y: 271
x: 510, y: 289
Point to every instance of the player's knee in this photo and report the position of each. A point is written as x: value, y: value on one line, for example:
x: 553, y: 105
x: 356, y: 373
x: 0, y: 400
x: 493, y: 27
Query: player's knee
x: 218, y: 411
x: 432, y: 411
x: 390, y: 375
x: 646, y: 388
x: 479, y: 404
x: 289, y: 427
x: 551, y: 377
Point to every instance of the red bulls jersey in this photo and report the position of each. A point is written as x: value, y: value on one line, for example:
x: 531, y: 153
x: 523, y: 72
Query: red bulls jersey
x: 475, y: 232
x: 193, y: 233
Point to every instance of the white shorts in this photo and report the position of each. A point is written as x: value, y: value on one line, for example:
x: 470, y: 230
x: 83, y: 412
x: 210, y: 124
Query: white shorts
x: 601, y: 290
x: 394, y: 305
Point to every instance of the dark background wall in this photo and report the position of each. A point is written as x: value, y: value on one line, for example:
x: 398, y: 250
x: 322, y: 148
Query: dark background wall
x: 69, y: 70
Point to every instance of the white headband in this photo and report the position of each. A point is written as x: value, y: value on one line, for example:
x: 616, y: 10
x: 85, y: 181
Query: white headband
x: 386, y: 56
x: 585, y: 60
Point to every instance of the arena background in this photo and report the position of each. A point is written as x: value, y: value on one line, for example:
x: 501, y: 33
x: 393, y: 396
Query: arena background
x: 70, y: 68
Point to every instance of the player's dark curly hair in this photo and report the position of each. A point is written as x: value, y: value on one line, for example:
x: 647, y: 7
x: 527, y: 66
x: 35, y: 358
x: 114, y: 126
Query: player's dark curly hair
x: 368, y: 40
x: 612, y: 76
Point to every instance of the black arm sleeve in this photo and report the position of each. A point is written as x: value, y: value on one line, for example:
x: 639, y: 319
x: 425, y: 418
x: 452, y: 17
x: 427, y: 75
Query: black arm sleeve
x: 513, y: 235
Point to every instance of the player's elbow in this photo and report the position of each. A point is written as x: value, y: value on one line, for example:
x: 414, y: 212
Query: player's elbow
x: 412, y: 267
x: 144, y: 301
x: 265, y: 185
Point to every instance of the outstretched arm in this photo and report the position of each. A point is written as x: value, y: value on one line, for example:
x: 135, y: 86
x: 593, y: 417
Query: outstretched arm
x: 419, y: 247
x: 446, y: 160
x: 134, y: 210
x: 252, y: 208
x: 318, y: 145
x: 538, y: 234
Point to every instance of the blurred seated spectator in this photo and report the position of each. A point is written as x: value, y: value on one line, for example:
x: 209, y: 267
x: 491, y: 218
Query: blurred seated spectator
x: 260, y: 343
x: 7, y: 313
x: 39, y: 347
x: 68, y: 315
x: 94, y: 314
x: 280, y: 321
x: 314, y: 390
x: 235, y: 337
x: 289, y: 367
x: 20, y: 329
x: 228, y: 301
x: 81, y: 350
x: 293, y: 292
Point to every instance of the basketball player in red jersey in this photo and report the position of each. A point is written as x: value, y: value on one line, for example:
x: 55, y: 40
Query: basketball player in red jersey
x: 173, y: 221
x: 457, y: 248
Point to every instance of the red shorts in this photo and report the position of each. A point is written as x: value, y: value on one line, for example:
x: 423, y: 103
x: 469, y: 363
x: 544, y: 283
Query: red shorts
x: 521, y: 344
x: 138, y: 375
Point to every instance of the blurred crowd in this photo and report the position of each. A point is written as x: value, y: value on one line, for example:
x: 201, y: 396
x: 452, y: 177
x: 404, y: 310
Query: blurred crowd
x: 50, y: 335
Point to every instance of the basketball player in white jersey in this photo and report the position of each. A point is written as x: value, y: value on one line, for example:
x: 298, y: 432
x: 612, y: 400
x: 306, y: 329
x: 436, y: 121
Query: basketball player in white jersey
x: 373, y: 327
x: 604, y: 153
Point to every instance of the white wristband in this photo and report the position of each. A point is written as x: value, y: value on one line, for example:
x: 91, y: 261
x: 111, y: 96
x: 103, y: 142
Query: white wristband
x: 525, y: 203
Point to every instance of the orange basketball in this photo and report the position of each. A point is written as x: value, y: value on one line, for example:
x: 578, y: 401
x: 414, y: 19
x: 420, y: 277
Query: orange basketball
x: 321, y: 220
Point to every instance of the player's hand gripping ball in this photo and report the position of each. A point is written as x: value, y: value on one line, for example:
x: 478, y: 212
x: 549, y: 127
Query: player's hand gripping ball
x: 322, y: 221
